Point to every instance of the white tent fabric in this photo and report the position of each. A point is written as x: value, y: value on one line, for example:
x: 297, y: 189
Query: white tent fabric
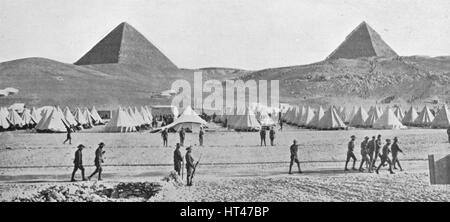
x: 36, y: 115
x: 4, y: 123
x: 53, y: 121
x: 265, y: 119
x: 410, y: 116
x: 96, y: 117
x: 349, y: 116
x: 293, y: 115
x: 15, y: 119
x: 317, y: 117
x: 399, y: 113
x: 79, y: 117
x: 359, y: 119
x: 307, y: 117
x: 374, y: 115
x: 87, y: 116
x: 135, y: 121
x: 69, y: 117
x: 145, y: 116
x: 298, y: 119
x: 120, y: 122
x: 28, y: 118
x: 442, y: 119
x: 425, y: 118
x: 188, y: 119
x: 247, y: 122
x: 331, y: 120
x: 388, y: 121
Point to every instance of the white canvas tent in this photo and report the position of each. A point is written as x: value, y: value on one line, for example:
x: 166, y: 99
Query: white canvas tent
x: 247, y: 122
x: 36, y: 116
x: 53, y: 122
x: 120, y: 122
x: 317, y: 117
x: 349, y: 116
x: 442, y: 119
x: 28, y: 118
x: 360, y: 117
x: 69, y: 117
x: 189, y: 119
x: 410, y: 117
x: 97, y: 120
x: 307, y: 117
x: 374, y: 115
x: 15, y: 119
x: 399, y: 113
x: 4, y: 123
x: 331, y: 120
x: 425, y: 118
x: 388, y: 121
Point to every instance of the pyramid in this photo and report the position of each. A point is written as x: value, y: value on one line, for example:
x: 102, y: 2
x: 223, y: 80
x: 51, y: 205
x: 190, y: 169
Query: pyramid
x: 125, y: 45
x: 363, y: 41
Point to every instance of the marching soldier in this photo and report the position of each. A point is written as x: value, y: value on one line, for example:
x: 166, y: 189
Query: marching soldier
x: 272, y: 136
x: 385, y: 156
x: 395, y: 149
x: 364, y: 154
x: 350, y: 154
x: 78, y: 163
x: 262, y: 134
x: 294, y: 157
x: 377, y: 150
x: 281, y: 125
x: 98, y: 161
x: 370, y: 151
x: 182, y: 135
x: 68, y: 136
x: 164, y: 136
x: 189, y: 165
x: 177, y: 159
x: 200, y: 136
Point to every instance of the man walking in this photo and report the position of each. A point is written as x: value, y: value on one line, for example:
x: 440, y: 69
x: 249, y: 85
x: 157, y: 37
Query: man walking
x: 364, y: 154
x: 68, y: 136
x: 164, y: 136
x: 189, y: 166
x: 182, y: 134
x: 294, y: 157
x: 200, y: 136
x: 78, y: 163
x: 262, y: 134
x: 395, y: 149
x: 272, y: 136
x: 350, y: 154
x: 98, y: 161
x: 281, y: 125
x: 371, y: 151
x: 385, y: 156
x: 177, y: 159
x: 377, y: 150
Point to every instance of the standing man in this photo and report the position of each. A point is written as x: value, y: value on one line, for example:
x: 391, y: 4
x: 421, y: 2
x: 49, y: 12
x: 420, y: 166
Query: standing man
x: 377, y: 150
x: 177, y: 159
x: 98, y: 161
x: 281, y: 125
x: 189, y: 165
x: 68, y: 137
x: 200, y: 136
x: 350, y: 154
x: 294, y: 157
x: 164, y: 136
x: 272, y: 135
x: 371, y: 151
x: 395, y: 149
x: 78, y: 163
x: 385, y: 156
x: 262, y: 134
x: 364, y: 154
x: 182, y: 134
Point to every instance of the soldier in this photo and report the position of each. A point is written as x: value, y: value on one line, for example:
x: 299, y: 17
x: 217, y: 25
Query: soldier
x: 189, y: 165
x: 200, y: 136
x: 377, y: 150
x: 68, y: 137
x: 294, y: 157
x: 350, y: 154
x: 395, y: 149
x: 364, y: 154
x: 98, y: 161
x: 272, y: 136
x: 164, y: 136
x: 78, y: 163
x: 182, y: 134
x: 177, y: 159
x: 385, y: 156
x: 448, y: 134
x: 370, y: 151
x: 262, y: 134
x: 281, y: 125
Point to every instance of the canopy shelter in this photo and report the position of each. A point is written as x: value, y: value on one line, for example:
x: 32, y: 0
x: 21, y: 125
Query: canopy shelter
x: 189, y: 120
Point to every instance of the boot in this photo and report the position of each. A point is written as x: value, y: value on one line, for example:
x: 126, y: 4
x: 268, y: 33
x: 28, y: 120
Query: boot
x: 299, y: 169
x: 290, y: 169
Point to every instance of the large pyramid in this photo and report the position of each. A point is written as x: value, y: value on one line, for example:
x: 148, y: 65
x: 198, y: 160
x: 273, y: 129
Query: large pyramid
x: 125, y: 45
x: 363, y: 41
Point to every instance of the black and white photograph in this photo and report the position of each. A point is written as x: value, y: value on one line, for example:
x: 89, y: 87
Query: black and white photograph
x: 225, y: 101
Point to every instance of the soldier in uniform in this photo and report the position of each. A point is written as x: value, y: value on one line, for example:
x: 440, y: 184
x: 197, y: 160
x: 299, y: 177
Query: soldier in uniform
x: 262, y: 134
x: 272, y: 136
x: 377, y: 150
x: 98, y: 161
x: 182, y: 134
x: 177, y: 159
x: 200, y: 136
x: 68, y: 137
x: 350, y: 154
x: 294, y: 157
x: 385, y: 156
x: 395, y: 149
x: 364, y: 154
x: 370, y: 152
x: 164, y: 136
x: 189, y: 165
x: 78, y: 163
x: 281, y: 125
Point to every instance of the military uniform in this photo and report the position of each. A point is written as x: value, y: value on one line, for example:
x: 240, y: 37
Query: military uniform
x: 177, y: 161
x: 98, y: 162
x: 395, y: 149
x: 164, y: 135
x: 200, y: 137
x: 377, y: 151
x: 350, y: 154
x: 385, y: 158
x: 272, y: 136
x: 68, y: 136
x: 370, y: 152
x: 182, y: 135
x: 78, y: 164
x: 262, y: 134
x: 294, y: 158
x: 364, y: 155
x: 189, y: 167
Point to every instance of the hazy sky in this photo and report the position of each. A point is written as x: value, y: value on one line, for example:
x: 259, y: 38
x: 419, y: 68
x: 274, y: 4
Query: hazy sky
x: 250, y: 34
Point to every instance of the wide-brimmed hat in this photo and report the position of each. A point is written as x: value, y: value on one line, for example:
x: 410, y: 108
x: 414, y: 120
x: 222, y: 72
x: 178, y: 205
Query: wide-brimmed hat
x: 388, y: 140
x: 189, y: 148
x: 353, y: 136
x: 101, y: 144
x: 395, y: 139
x: 81, y: 146
x: 366, y: 137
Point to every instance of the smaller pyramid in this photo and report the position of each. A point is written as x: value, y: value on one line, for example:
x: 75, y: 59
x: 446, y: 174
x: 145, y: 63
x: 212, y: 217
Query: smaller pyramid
x: 363, y: 41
